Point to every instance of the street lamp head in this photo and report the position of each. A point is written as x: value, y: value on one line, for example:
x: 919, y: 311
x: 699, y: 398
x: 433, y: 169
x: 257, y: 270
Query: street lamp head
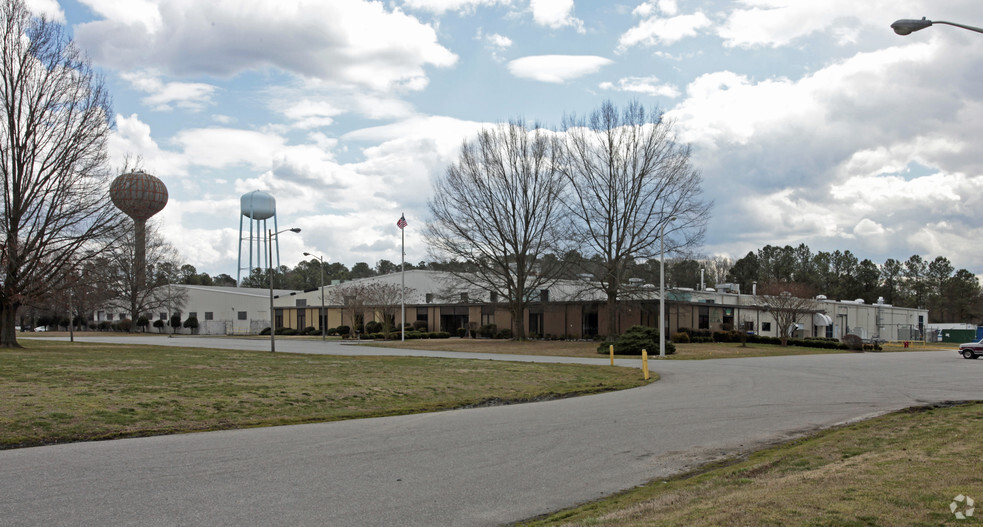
x: 307, y: 254
x: 295, y: 229
x: 908, y: 26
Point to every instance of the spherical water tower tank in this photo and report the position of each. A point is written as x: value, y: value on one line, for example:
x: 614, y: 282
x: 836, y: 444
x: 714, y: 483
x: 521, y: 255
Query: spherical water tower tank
x: 258, y: 205
x: 138, y: 194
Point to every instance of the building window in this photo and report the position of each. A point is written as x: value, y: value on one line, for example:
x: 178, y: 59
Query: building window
x: 766, y: 326
x: 109, y: 316
x: 242, y: 315
x: 279, y: 318
x: 209, y: 315
x: 163, y: 316
x: 301, y: 302
x: 704, y: 317
x: 421, y: 314
x: 301, y: 319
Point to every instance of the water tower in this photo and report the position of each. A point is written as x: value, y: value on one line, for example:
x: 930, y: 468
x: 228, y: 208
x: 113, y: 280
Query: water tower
x: 139, y: 195
x: 258, y: 206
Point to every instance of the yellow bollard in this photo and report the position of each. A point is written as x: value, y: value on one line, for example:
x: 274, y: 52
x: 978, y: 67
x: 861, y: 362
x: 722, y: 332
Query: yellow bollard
x: 612, y: 354
x: 645, y: 364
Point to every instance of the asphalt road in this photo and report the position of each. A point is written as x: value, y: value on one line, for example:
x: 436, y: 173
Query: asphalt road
x: 484, y: 466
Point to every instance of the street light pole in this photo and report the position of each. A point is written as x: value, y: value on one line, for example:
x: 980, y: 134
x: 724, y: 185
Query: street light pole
x: 269, y: 242
x: 908, y: 26
x: 322, y: 316
x: 662, y: 287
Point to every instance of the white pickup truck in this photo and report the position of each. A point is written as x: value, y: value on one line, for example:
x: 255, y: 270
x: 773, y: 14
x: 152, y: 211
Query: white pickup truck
x: 971, y: 350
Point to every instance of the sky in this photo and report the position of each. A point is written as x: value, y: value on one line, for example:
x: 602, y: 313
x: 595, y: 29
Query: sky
x: 810, y: 122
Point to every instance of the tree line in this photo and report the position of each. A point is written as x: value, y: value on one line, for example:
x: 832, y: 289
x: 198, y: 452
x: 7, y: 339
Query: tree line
x: 949, y: 294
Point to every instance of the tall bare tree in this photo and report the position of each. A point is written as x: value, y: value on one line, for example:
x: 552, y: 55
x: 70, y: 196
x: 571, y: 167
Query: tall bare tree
x: 121, y: 276
x: 55, y: 123
x: 627, y: 177
x: 386, y: 299
x: 498, y: 209
x: 353, y: 298
x: 787, y: 302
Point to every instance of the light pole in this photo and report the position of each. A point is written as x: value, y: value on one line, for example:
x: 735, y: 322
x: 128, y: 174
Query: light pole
x: 662, y: 287
x: 322, y: 317
x: 908, y: 26
x: 269, y: 241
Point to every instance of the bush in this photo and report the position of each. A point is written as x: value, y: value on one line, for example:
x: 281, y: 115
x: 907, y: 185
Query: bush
x: 159, y: 324
x: 461, y: 332
x: 853, y: 342
x: 125, y: 324
x: 265, y: 331
x: 504, y: 334
x: 143, y: 322
x: 488, y: 331
x: 680, y: 338
x: 636, y: 339
x: 311, y: 330
x: 192, y: 324
x: 438, y: 335
x: 343, y: 330
x: 285, y: 331
x: 373, y: 327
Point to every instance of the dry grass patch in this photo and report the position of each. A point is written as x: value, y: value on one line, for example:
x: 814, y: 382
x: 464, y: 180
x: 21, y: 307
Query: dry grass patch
x: 60, y: 392
x: 901, y: 469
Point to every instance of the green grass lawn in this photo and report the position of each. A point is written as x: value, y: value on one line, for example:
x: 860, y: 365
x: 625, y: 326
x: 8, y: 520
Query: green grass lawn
x: 59, y: 392
x: 904, y: 468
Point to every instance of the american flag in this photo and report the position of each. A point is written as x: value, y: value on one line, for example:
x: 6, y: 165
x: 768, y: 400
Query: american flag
x: 402, y: 222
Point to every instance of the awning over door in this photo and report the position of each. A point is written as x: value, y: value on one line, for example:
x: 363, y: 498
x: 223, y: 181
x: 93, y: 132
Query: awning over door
x: 821, y: 319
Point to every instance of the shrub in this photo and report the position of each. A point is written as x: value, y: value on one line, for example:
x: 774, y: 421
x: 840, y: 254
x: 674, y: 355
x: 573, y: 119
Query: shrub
x: 125, y: 324
x: 504, y: 334
x: 461, y: 332
x: 853, y: 342
x: 438, y: 335
x: 636, y: 339
x: 192, y: 324
x: 680, y: 338
x: 143, y: 322
x: 285, y: 331
x: 373, y: 326
x: 265, y: 331
x: 488, y: 331
x: 311, y: 330
x: 159, y: 324
x: 343, y: 330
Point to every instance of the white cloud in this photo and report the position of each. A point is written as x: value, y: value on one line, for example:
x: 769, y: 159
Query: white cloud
x: 663, y: 31
x: 555, y: 14
x: 228, y: 147
x: 647, y: 9
x: 132, y: 139
x: 48, y: 8
x: 777, y: 23
x: 499, y: 41
x: 163, y: 96
x: 556, y: 68
x: 346, y: 41
x: 643, y: 85
x: 442, y: 6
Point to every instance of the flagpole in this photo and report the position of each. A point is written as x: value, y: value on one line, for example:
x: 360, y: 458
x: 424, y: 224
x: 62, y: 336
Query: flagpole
x: 402, y: 271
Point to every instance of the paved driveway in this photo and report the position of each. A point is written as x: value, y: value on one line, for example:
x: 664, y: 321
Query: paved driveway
x: 484, y: 466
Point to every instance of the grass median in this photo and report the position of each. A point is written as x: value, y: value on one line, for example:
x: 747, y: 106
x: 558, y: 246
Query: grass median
x: 904, y: 468
x: 60, y: 392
